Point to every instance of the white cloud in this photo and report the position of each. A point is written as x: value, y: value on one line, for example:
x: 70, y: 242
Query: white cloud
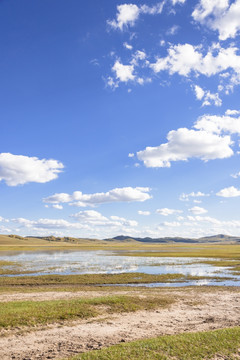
x: 171, y: 224
x: 184, y: 144
x: 229, y: 192
x: 199, y: 92
x: 210, y: 99
x: 88, y: 221
x: 47, y: 224
x: 186, y: 58
x: 18, y: 169
x: 139, y: 55
x: 92, y: 217
x: 207, y: 219
x: 232, y: 112
x: 218, y: 124
x: 185, y: 197
x: 220, y: 16
x: 57, y: 206
x: 174, y: 2
x: 126, y: 194
x: 124, y: 73
x: 110, y: 82
x: 144, y: 213
x: 173, y: 30
x: 128, y: 14
x: 123, y: 221
x: 127, y: 46
x: 236, y: 175
x: 131, y: 155
x: 180, y: 218
x: 152, y: 10
x: 206, y: 8
x: 207, y: 97
x: 167, y: 212
x: 196, y: 210
x: 3, y: 219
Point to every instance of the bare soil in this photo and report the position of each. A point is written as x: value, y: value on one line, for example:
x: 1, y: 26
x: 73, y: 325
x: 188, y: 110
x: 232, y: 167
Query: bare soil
x: 195, y: 310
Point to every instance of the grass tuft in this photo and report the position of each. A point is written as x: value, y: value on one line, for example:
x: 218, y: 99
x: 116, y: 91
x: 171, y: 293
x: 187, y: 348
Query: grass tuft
x: 209, y: 345
x: 32, y: 313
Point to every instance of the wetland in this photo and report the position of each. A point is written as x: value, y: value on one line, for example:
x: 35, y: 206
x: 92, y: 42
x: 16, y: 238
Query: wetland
x: 92, y: 301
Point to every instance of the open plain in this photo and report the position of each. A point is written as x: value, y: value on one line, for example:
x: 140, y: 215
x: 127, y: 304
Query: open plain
x: 58, y: 316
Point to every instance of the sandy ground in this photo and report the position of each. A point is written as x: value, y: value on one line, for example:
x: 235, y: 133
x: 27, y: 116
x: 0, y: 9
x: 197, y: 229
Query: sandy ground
x: 194, y: 311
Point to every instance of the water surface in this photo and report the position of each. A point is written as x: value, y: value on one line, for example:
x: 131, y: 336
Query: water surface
x: 69, y: 262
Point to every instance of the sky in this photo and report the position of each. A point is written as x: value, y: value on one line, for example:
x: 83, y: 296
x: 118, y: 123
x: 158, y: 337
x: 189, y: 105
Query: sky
x: 120, y: 118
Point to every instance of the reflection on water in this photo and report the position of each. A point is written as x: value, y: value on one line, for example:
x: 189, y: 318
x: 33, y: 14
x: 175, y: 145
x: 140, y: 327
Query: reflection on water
x: 108, y: 262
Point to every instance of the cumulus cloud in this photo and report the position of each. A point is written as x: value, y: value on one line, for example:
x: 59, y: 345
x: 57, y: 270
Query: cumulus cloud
x: 232, y: 112
x: 47, y: 224
x: 124, y: 73
x: 167, y: 212
x: 199, y: 92
x: 126, y: 194
x: 128, y: 14
x: 208, y: 140
x: 196, y: 210
x: 229, y: 192
x: 171, y: 224
x: 185, y: 197
x: 131, y: 155
x: 218, y: 124
x: 184, y: 144
x: 185, y: 59
x: 206, y: 8
x: 219, y: 15
x: 57, y: 206
x: 89, y: 220
x: 92, y: 217
x: 144, y: 213
x: 3, y: 219
x: 207, y: 97
x: 207, y: 219
x: 18, y: 169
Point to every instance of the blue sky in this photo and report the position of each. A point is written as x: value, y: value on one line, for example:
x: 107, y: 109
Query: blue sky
x: 119, y: 117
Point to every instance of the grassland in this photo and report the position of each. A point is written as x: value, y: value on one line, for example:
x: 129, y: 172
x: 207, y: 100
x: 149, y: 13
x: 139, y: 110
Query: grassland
x: 14, y: 314
x: 218, y: 344
x: 79, y: 282
x: 223, y: 251
x: 32, y: 313
x: 216, y: 250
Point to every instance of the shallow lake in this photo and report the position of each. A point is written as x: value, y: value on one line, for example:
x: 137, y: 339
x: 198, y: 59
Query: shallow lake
x: 113, y: 262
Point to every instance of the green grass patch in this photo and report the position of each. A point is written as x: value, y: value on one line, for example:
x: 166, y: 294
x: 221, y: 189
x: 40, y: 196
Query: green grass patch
x: 191, y: 346
x: 206, y: 251
x: 88, y: 279
x: 69, y: 281
x: 228, y: 251
x: 32, y: 313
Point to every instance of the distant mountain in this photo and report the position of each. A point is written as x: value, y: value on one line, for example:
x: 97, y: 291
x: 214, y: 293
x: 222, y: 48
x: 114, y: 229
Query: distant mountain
x: 44, y: 240
x: 207, y: 239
